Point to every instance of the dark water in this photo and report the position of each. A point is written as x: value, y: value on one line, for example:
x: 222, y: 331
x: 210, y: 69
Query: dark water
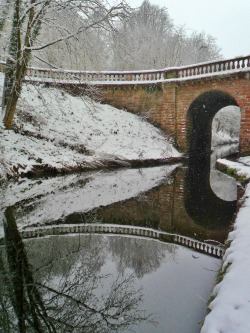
x: 95, y: 252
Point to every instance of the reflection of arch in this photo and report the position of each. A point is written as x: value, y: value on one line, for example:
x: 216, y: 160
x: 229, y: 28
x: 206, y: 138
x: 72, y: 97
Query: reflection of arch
x: 202, y: 205
x: 200, y: 116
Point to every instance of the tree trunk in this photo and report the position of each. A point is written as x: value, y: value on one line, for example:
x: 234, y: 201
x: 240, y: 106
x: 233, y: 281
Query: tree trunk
x: 16, y: 67
x: 12, y: 63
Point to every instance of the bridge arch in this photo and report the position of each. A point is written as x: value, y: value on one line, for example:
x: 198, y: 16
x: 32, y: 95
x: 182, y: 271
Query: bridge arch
x: 200, y: 116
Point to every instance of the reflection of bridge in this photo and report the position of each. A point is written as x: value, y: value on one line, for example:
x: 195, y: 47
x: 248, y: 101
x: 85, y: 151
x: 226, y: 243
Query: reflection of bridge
x: 198, y: 246
x: 172, y: 97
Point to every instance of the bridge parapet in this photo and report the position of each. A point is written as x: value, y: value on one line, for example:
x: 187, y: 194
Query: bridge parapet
x: 146, y: 76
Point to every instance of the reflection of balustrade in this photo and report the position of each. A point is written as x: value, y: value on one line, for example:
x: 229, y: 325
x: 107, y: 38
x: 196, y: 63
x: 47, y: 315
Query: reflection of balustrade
x: 64, y: 76
x: 198, y: 246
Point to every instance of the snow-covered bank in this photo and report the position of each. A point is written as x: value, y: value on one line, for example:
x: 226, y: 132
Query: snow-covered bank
x: 239, y: 169
x: 57, y: 131
x: 231, y: 306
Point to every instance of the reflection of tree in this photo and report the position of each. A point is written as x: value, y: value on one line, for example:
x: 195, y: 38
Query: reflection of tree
x: 70, y: 299
x: 141, y: 255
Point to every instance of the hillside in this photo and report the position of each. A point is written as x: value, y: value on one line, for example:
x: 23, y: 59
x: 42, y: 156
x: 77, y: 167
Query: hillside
x: 58, y: 132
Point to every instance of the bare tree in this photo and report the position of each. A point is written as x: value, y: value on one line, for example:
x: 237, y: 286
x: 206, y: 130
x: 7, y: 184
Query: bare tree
x: 198, y: 47
x: 149, y: 39
x: 138, y: 41
x: 28, y: 18
x: 86, y: 52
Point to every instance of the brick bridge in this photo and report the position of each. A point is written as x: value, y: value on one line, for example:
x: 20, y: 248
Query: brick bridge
x: 182, y: 101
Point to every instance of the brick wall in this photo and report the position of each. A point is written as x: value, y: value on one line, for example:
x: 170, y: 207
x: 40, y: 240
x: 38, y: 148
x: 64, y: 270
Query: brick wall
x: 166, y: 104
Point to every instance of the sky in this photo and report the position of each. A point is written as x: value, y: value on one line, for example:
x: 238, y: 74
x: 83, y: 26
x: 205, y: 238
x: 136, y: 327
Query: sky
x: 226, y: 20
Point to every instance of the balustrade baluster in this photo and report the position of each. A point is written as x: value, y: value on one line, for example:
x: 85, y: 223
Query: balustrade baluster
x: 248, y: 62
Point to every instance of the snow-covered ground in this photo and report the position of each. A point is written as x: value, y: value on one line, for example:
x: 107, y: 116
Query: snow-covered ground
x: 230, y: 308
x: 59, y: 131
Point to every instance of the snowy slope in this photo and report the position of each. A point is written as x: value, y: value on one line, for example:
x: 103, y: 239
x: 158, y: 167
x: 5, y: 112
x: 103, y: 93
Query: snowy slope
x: 62, y: 131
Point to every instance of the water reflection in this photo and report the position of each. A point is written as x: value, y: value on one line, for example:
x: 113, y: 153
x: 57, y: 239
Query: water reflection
x: 52, y: 199
x: 93, y: 283
x: 223, y: 186
x: 48, y: 286
x: 172, y: 199
x: 201, y: 203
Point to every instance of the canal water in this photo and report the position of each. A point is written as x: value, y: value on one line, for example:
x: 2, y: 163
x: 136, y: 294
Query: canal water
x: 125, y: 250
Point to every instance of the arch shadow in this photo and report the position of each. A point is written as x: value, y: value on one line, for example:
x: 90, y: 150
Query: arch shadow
x: 201, y: 203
